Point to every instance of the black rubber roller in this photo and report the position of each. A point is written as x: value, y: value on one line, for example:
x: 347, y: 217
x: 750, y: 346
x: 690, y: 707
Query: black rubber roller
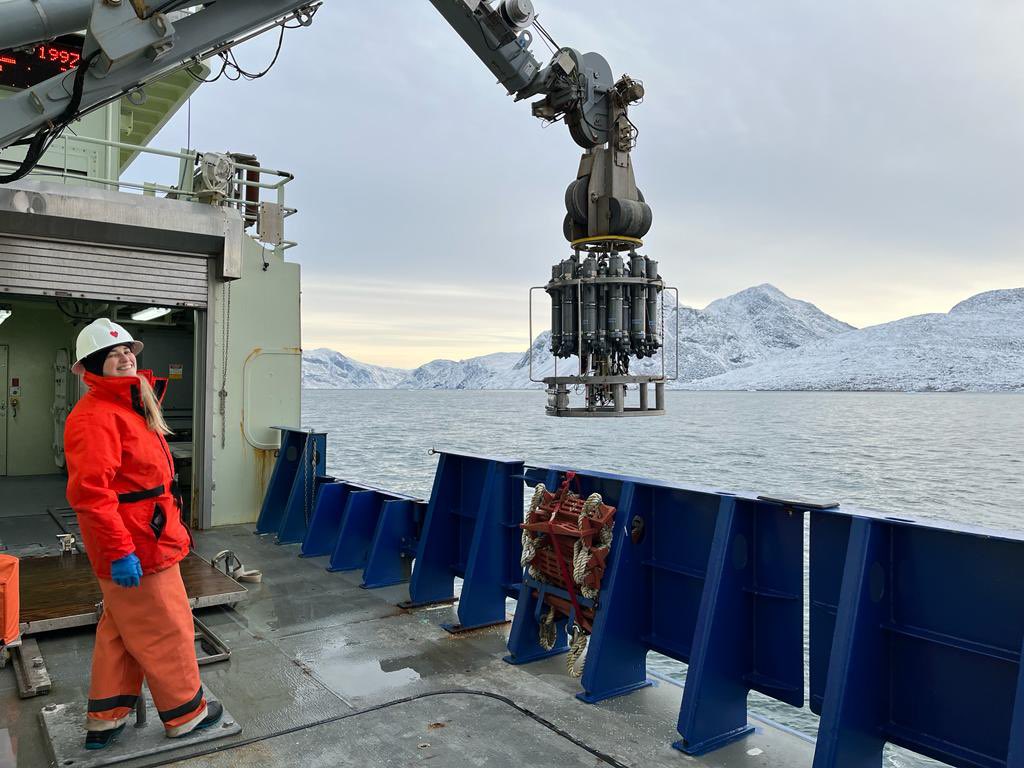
x: 576, y: 202
x: 567, y: 228
x: 629, y: 218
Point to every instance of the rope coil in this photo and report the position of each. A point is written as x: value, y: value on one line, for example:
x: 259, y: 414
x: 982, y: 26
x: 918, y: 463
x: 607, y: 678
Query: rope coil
x: 551, y: 523
x: 529, y: 540
x: 576, y: 659
x: 548, y: 632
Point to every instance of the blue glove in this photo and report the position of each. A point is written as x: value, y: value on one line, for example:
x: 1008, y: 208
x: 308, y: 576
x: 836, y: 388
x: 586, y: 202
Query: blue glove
x: 126, y: 571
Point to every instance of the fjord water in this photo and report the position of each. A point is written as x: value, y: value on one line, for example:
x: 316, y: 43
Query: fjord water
x: 955, y: 456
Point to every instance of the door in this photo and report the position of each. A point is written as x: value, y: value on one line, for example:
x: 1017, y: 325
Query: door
x: 3, y: 410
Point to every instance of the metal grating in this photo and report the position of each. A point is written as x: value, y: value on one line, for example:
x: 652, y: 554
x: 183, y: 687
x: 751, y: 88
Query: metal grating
x: 37, y: 267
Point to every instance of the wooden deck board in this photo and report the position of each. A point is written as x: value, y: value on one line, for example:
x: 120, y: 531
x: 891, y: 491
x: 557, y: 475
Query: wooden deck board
x: 62, y: 591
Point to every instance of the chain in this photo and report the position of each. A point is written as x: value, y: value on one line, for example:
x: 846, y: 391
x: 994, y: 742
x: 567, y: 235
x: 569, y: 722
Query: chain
x: 223, y: 393
x: 314, y: 459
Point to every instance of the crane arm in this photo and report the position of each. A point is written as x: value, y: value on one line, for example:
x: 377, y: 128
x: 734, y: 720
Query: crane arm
x: 130, y: 43
x: 574, y: 86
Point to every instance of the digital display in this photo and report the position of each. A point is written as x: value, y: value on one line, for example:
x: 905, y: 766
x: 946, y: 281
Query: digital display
x: 27, y: 67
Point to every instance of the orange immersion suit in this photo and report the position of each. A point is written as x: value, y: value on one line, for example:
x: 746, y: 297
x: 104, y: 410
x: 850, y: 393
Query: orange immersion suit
x: 120, y: 485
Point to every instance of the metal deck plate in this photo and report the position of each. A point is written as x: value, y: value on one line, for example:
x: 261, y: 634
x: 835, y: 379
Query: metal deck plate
x: 448, y: 730
x: 64, y: 726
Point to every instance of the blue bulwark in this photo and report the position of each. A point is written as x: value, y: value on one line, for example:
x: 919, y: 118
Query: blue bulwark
x: 916, y: 634
x: 370, y: 518
x: 291, y: 494
x: 322, y: 534
x: 471, y: 531
x: 691, y: 573
x: 394, y: 544
x: 916, y: 628
x: 362, y: 527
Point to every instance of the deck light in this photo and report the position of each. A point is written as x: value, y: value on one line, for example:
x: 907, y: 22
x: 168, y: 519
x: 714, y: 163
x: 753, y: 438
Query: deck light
x: 150, y: 313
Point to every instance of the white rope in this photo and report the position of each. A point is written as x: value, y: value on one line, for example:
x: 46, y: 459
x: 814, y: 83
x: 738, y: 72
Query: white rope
x: 530, y: 540
x: 577, y: 649
x: 548, y: 631
x: 580, y: 560
x: 581, y: 553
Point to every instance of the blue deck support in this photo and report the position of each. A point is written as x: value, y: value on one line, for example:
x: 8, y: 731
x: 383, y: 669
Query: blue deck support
x: 367, y: 509
x: 300, y: 510
x: 691, y: 573
x: 288, y: 502
x: 749, y: 631
x: 361, y: 526
x: 394, y: 542
x: 916, y: 636
x: 362, y: 510
x: 322, y: 534
x: 471, y: 531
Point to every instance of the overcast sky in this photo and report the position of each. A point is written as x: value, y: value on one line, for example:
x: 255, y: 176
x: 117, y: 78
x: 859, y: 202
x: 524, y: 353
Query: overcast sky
x: 864, y: 155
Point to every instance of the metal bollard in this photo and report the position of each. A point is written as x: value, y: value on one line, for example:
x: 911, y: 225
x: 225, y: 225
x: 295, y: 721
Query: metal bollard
x: 140, y: 710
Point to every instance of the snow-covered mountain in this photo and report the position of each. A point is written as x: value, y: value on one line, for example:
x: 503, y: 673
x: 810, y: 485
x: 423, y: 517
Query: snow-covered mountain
x: 759, y: 338
x: 729, y: 333
x: 736, y: 331
x: 978, y: 345
x: 487, y: 372
x: 326, y: 369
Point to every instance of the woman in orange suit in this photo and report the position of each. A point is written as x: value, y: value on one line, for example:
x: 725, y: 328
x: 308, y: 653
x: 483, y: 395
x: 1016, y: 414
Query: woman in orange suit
x: 120, y: 476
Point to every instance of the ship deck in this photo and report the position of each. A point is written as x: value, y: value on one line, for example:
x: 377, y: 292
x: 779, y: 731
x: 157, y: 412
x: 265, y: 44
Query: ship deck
x: 325, y: 673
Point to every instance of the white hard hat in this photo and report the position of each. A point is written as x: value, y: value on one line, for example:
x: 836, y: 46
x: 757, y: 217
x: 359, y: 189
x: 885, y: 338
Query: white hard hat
x: 101, y: 334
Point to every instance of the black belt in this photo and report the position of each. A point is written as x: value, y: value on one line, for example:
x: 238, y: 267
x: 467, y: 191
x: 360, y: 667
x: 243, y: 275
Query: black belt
x: 149, y: 493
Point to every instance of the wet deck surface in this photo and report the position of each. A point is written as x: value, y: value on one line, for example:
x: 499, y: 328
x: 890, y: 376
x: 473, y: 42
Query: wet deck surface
x: 325, y: 673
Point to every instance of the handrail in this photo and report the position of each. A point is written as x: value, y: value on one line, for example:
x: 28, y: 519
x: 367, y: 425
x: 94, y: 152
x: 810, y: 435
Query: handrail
x: 187, y: 159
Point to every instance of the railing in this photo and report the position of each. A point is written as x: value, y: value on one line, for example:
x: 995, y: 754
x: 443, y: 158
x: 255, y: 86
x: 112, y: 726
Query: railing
x: 185, y: 189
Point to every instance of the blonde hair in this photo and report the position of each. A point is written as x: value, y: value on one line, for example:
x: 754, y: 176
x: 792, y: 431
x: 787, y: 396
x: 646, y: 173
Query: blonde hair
x: 154, y: 413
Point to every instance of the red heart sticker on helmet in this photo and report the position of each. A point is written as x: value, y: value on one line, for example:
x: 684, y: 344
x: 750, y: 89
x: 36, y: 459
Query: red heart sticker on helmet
x: 114, y: 334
